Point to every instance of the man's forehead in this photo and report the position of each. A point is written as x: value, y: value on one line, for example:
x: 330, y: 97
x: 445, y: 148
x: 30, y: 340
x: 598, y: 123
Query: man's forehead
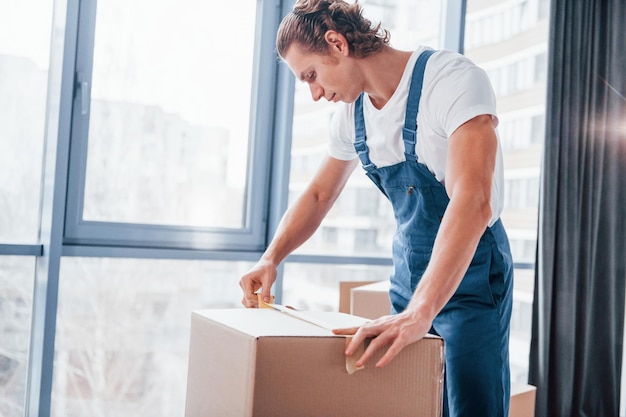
x: 298, y: 61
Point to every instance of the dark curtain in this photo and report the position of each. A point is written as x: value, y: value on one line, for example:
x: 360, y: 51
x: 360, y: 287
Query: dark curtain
x: 578, y: 312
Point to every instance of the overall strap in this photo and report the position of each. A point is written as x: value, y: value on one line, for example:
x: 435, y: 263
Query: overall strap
x: 409, y: 132
x: 360, y: 146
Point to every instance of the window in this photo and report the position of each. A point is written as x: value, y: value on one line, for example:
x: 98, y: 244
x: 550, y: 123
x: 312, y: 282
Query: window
x: 538, y: 129
x: 161, y: 127
x: 501, y: 21
x: 367, y: 206
x: 516, y: 64
x: 16, y: 295
x: 24, y: 54
x: 126, y: 350
x: 153, y: 165
x: 362, y: 217
x: 25, y: 28
x: 320, y: 290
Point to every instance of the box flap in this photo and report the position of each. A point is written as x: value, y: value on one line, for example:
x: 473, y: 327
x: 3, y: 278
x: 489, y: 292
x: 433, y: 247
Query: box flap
x: 371, y: 301
x: 380, y: 286
x: 324, y: 319
x: 345, y: 288
x: 267, y: 322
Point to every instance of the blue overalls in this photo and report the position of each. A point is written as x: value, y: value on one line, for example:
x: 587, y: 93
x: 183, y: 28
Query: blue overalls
x: 475, y: 322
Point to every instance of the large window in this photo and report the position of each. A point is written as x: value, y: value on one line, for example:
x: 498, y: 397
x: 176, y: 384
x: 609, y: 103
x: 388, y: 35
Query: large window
x: 144, y: 149
x: 167, y: 90
x: 161, y: 150
x: 24, y: 53
x: 360, y: 206
x: 123, y: 332
x: 320, y: 290
x: 509, y: 40
x: 25, y: 28
x: 16, y: 294
x: 135, y: 146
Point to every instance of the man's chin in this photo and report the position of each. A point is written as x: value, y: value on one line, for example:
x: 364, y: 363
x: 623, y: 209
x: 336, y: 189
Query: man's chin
x: 351, y: 100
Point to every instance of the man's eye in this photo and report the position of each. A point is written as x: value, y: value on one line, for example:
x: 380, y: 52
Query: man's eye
x: 310, y: 76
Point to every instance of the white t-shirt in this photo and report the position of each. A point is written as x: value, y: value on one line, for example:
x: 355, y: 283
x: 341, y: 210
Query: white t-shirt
x: 454, y: 91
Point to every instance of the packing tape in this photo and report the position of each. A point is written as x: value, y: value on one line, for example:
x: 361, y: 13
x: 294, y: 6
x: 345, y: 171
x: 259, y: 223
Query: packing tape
x: 263, y: 304
x: 351, y: 360
x: 351, y: 366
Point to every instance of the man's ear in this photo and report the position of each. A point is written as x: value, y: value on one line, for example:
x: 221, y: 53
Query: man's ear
x: 337, y: 42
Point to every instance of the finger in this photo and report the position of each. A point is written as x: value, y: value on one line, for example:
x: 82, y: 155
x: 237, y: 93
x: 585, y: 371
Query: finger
x: 356, y: 341
x: 360, y: 336
x: 250, y: 301
x: 391, y: 353
x: 266, y: 295
x: 370, y: 329
x: 375, y: 344
x: 249, y: 286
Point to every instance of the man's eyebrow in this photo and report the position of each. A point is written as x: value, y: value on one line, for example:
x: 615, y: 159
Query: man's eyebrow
x: 302, y: 75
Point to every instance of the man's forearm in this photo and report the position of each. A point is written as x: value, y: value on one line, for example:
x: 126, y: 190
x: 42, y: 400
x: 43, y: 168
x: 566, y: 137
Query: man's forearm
x: 303, y: 218
x: 455, y: 245
x: 298, y: 224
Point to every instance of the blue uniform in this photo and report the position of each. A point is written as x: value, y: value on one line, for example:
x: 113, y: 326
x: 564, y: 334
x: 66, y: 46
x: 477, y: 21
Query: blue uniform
x: 475, y: 322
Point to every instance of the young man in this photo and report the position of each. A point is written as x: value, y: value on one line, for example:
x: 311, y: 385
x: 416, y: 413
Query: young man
x: 422, y: 125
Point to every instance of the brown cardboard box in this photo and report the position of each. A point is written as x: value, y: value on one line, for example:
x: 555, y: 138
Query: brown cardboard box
x: 262, y: 362
x: 370, y: 301
x: 345, y: 295
x: 522, y: 400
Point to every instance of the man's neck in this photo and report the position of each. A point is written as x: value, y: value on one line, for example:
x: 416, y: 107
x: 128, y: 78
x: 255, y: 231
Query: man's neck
x: 383, y: 72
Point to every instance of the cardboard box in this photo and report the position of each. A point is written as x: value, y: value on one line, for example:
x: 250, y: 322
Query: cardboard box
x: 522, y: 400
x: 370, y: 301
x: 345, y: 295
x: 262, y: 362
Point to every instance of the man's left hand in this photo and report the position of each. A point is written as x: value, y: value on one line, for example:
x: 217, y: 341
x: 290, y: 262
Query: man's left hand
x: 396, y: 331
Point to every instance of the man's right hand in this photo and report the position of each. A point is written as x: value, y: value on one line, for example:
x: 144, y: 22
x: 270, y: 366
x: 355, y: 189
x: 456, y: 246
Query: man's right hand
x: 261, y: 276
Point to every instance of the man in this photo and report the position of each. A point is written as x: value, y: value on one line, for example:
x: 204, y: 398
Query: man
x: 422, y: 124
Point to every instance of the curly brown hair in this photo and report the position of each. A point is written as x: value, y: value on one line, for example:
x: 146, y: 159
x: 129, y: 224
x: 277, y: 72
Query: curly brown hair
x: 309, y: 20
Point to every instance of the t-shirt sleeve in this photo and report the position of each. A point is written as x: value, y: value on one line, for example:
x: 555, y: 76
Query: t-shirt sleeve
x: 341, y: 131
x: 460, y: 91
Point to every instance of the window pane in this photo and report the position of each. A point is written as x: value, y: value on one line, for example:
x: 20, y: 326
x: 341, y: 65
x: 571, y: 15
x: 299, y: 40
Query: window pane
x: 24, y: 53
x: 16, y: 296
x: 170, y: 104
x: 521, y: 325
x: 316, y: 286
x: 123, y: 332
x: 514, y: 54
x: 361, y: 222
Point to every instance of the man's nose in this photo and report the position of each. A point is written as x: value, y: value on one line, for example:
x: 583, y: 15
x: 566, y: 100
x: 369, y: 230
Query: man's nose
x: 317, y: 92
